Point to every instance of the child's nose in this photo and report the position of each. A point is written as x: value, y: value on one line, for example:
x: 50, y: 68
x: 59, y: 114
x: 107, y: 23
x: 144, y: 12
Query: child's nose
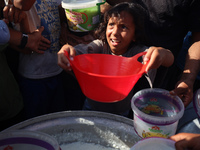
x: 115, y: 30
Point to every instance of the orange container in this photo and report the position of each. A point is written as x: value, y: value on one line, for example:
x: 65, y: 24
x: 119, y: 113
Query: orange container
x: 107, y: 78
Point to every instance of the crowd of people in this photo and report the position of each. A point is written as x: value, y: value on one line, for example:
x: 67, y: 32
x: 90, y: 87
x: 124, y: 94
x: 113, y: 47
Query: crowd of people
x: 41, y: 81
x: 44, y: 82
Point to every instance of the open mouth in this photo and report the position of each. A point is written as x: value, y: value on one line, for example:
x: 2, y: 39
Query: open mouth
x: 115, y: 42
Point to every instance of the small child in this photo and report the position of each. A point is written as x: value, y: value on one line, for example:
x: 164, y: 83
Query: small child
x: 121, y: 33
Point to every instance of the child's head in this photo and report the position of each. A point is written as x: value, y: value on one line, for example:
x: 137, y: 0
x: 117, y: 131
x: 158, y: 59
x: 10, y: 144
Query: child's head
x: 123, y: 24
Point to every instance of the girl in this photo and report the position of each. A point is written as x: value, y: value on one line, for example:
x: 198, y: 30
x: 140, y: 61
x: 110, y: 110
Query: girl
x: 121, y: 33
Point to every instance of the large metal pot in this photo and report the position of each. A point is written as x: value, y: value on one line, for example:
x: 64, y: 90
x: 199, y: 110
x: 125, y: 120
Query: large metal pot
x: 106, y: 129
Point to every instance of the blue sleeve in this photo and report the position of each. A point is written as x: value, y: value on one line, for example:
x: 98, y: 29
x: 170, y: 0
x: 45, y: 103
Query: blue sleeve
x: 4, y: 33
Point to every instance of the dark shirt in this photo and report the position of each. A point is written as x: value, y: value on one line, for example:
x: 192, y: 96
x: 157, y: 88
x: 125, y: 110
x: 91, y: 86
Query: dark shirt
x: 168, y: 21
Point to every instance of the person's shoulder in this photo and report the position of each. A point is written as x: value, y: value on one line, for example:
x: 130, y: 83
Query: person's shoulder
x: 97, y: 41
x: 135, y: 49
x: 93, y: 43
x: 97, y: 46
x: 139, y: 48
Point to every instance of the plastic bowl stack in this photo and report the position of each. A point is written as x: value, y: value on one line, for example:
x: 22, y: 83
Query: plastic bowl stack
x: 27, y: 140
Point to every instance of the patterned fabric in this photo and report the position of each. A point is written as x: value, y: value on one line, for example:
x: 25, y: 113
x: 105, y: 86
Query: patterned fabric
x: 49, y: 15
x: 40, y: 66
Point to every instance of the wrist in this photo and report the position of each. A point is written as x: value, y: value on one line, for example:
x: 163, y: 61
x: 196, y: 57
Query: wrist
x: 24, y: 41
x: 189, y: 78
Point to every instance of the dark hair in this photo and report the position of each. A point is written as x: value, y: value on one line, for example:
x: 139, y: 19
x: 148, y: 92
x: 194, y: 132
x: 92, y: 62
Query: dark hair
x: 135, y: 10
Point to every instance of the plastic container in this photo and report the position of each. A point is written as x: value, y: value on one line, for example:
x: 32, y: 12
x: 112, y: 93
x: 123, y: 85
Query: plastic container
x: 107, y: 78
x: 196, y: 102
x: 27, y: 140
x: 156, y: 113
x: 154, y: 143
x: 82, y: 15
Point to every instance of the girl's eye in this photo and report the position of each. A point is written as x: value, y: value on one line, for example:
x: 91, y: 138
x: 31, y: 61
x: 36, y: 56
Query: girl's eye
x: 124, y: 27
x: 111, y: 24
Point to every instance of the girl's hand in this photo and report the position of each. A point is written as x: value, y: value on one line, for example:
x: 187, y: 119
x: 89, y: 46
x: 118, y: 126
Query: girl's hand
x: 63, y: 62
x: 158, y: 56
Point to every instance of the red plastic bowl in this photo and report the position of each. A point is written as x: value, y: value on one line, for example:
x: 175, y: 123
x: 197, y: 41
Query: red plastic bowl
x: 107, y: 78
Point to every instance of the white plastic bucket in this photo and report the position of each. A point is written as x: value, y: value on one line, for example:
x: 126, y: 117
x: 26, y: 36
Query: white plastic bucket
x: 156, y: 113
x: 154, y: 143
x: 27, y: 140
x: 82, y: 15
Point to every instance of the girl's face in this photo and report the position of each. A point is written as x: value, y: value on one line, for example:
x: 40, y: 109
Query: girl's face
x: 120, y: 33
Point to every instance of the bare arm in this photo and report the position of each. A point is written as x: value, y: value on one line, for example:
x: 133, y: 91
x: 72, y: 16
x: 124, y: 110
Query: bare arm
x: 192, y: 65
x: 36, y: 42
x: 184, y: 87
x: 23, y: 4
x: 13, y: 14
